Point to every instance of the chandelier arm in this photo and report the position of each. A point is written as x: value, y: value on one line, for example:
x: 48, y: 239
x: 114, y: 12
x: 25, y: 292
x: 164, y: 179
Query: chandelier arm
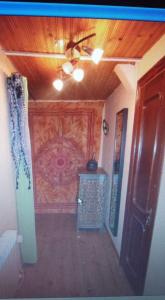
x: 85, y: 38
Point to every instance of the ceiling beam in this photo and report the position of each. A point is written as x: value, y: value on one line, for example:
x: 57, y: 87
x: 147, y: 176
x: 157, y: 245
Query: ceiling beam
x: 62, y: 56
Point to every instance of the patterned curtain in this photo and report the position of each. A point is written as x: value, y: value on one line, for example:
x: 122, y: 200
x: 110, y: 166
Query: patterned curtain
x: 18, y: 101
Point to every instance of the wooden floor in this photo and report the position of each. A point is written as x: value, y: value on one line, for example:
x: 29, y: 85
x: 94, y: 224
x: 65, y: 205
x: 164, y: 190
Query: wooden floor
x: 71, y: 263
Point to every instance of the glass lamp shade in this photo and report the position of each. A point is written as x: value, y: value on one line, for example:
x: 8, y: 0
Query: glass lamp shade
x: 58, y: 84
x: 67, y: 67
x: 78, y: 74
x: 96, y: 55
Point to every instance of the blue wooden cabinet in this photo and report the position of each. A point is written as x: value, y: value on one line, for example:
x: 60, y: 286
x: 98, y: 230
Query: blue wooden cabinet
x: 91, y: 199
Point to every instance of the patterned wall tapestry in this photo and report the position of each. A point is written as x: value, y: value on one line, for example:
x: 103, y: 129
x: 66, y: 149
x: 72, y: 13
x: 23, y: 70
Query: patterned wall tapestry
x: 63, y: 137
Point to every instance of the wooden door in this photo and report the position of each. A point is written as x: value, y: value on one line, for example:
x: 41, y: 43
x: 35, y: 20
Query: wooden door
x: 144, y: 178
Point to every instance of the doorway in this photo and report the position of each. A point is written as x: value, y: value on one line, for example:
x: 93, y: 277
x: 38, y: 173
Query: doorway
x: 144, y: 177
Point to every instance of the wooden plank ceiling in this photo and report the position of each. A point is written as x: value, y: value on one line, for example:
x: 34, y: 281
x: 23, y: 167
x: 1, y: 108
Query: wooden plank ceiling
x: 39, y: 34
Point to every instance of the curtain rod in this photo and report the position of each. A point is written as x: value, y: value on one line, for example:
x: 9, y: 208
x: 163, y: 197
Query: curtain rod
x: 62, y: 56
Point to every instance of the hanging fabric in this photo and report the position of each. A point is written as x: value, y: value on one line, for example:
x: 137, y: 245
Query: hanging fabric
x: 17, y: 97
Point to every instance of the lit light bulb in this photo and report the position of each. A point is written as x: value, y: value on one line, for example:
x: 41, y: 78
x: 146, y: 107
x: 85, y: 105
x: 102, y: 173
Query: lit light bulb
x: 78, y: 74
x: 59, y: 43
x: 67, y: 67
x: 96, y: 55
x: 58, y: 84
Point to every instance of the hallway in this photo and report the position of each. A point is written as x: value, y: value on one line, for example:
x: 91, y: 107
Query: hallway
x: 71, y: 263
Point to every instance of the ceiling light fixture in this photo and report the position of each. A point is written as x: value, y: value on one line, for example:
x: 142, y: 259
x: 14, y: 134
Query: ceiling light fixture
x: 58, y: 84
x: 73, y: 55
x: 78, y: 74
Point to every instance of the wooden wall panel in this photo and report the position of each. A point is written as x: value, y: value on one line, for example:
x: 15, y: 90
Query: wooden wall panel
x: 63, y: 137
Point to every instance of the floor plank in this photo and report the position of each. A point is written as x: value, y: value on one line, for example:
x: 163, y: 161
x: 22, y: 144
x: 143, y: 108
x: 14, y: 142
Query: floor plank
x: 72, y: 263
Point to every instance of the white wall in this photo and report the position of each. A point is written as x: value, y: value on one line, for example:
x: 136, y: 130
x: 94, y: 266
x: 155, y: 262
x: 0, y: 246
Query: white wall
x: 7, y: 189
x: 151, y: 57
x: 5, y: 64
x: 101, y: 140
x: 8, y: 216
x: 121, y: 98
